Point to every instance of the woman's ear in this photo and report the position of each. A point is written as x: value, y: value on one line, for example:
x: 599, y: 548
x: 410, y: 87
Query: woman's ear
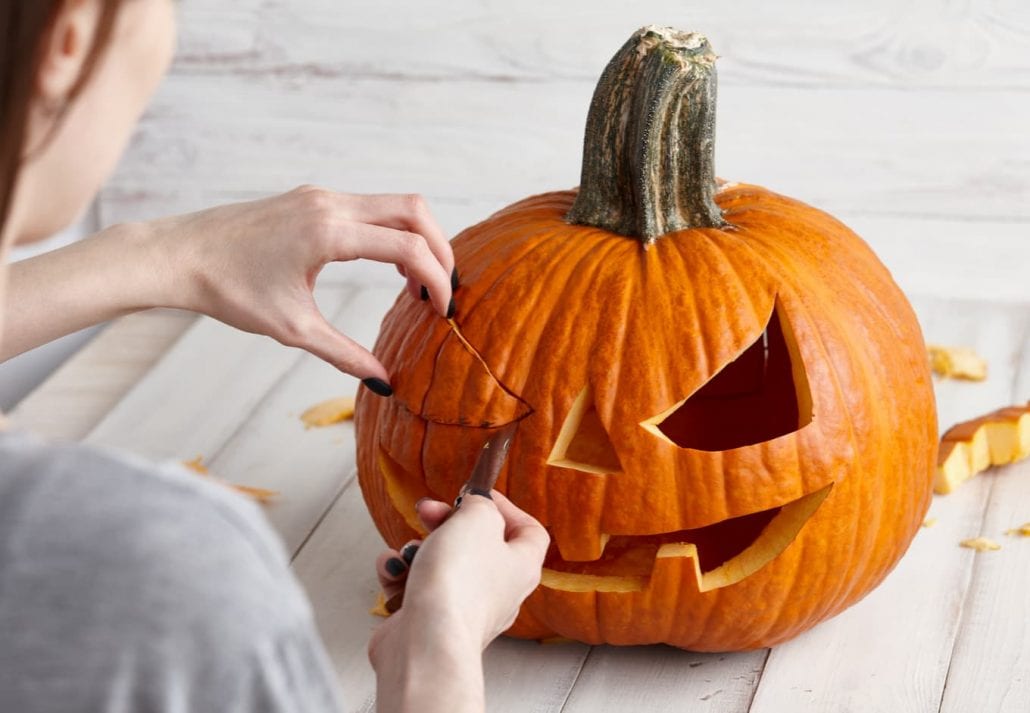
x: 66, y: 49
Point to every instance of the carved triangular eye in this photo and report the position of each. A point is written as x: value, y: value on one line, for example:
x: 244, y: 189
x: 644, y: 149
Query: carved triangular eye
x: 583, y: 444
x: 761, y: 395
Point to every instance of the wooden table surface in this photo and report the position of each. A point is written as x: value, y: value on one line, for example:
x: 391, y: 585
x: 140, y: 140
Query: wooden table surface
x: 908, y: 120
x: 948, y: 630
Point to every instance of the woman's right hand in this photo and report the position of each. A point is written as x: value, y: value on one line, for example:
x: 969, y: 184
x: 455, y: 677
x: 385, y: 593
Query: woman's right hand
x: 472, y: 573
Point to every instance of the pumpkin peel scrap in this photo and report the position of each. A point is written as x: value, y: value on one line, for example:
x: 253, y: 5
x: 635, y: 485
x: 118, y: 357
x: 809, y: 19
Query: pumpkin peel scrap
x: 326, y: 413
x: 261, y: 495
x: 971, y: 447
x: 957, y: 362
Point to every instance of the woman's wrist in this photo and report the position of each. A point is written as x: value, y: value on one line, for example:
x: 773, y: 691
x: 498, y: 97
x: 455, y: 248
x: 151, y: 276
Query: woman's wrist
x: 168, y: 278
x: 428, y: 663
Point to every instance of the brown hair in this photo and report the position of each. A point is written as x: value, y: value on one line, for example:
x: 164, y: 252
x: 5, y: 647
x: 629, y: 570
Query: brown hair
x: 25, y: 27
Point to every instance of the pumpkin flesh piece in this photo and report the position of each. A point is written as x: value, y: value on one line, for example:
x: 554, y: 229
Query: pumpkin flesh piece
x: 403, y: 491
x: 723, y: 553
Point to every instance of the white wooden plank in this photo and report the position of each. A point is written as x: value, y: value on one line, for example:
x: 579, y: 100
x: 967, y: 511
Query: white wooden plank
x: 78, y: 395
x: 931, y: 154
x: 336, y: 566
x: 878, y: 42
x: 979, y: 261
x: 996, y: 331
x: 528, y: 676
x: 272, y: 449
x: 891, y: 651
x: 195, y: 398
x: 990, y: 668
x: 660, y: 678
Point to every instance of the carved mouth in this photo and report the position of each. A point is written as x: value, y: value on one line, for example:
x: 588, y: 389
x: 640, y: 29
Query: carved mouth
x: 723, y: 553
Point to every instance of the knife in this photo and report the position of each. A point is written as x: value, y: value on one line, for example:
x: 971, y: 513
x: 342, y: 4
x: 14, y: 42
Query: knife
x: 488, y: 465
x: 484, y: 476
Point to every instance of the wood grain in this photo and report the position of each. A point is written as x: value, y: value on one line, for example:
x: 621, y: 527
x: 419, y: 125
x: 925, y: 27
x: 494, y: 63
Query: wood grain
x: 660, y: 678
x: 990, y: 665
x: 920, y: 154
x: 876, y: 43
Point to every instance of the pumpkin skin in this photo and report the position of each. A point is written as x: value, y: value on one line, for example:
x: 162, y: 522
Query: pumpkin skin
x: 551, y: 314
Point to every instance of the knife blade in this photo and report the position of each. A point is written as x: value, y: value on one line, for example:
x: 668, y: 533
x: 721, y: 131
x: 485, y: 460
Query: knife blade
x: 489, y: 464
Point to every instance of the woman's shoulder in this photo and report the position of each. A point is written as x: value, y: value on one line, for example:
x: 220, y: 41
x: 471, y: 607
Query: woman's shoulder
x: 129, y: 524
x: 114, y: 569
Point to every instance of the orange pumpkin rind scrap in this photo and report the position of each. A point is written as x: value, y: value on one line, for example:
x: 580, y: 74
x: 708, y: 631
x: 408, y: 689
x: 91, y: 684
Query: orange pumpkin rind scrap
x: 380, y: 607
x: 997, y: 438
x: 1021, y: 531
x: 957, y: 362
x: 262, y: 495
x: 329, y: 412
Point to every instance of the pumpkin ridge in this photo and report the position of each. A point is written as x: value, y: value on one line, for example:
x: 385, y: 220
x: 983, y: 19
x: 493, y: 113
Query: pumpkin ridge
x: 600, y: 266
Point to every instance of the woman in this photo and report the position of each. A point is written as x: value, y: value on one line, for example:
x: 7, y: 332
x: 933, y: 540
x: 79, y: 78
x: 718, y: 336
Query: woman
x: 126, y: 585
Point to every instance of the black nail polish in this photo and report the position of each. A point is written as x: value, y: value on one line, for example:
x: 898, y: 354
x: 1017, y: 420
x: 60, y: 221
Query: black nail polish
x: 451, y: 309
x: 454, y: 279
x: 408, y: 553
x: 395, y: 567
x: 424, y: 293
x: 377, y: 386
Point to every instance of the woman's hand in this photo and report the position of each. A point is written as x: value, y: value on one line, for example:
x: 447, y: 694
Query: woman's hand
x: 465, y: 587
x: 250, y: 265
x: 253, y: 265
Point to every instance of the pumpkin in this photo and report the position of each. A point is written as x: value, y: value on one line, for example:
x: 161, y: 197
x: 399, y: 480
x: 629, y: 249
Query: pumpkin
x: 727, y: 422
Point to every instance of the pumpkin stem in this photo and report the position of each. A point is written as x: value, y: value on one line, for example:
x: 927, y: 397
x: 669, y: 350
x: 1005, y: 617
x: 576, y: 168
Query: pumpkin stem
x: 648, y: 156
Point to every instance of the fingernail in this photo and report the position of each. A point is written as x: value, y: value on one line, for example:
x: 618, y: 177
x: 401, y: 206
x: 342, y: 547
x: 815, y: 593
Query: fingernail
x: 451, y: 308
x: 395, y: 566
x: 420, y: 501
x: 377, y: 386
x: 454, y: 279
x: 424, y: 293
x: 408, y: 553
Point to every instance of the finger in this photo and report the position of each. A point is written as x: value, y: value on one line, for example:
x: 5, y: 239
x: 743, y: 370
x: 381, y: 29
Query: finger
x: 414, y: 288
x: 432, y: 513
x: 409, y: 550
x: 373, y: 242
x: 405, y: 212
x: 521, y: 530
x: 327, y: 343
x: 392, y: 572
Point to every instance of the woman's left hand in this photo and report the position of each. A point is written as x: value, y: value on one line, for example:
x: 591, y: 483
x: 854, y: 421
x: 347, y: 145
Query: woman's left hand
x: 253, y: 265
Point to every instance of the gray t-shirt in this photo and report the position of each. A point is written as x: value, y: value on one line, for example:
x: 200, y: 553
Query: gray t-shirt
x: 126, y: 586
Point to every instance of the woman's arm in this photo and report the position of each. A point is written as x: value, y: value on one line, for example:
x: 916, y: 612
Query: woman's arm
x: 107, y: 275
x: 250, y: 265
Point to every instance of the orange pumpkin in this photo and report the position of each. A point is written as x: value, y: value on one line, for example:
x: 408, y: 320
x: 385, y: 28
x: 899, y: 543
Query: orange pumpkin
x: 727, y: 418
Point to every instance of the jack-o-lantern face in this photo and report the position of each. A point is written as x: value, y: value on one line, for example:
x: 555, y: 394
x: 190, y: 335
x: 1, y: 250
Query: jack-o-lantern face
x: 729, y: 434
